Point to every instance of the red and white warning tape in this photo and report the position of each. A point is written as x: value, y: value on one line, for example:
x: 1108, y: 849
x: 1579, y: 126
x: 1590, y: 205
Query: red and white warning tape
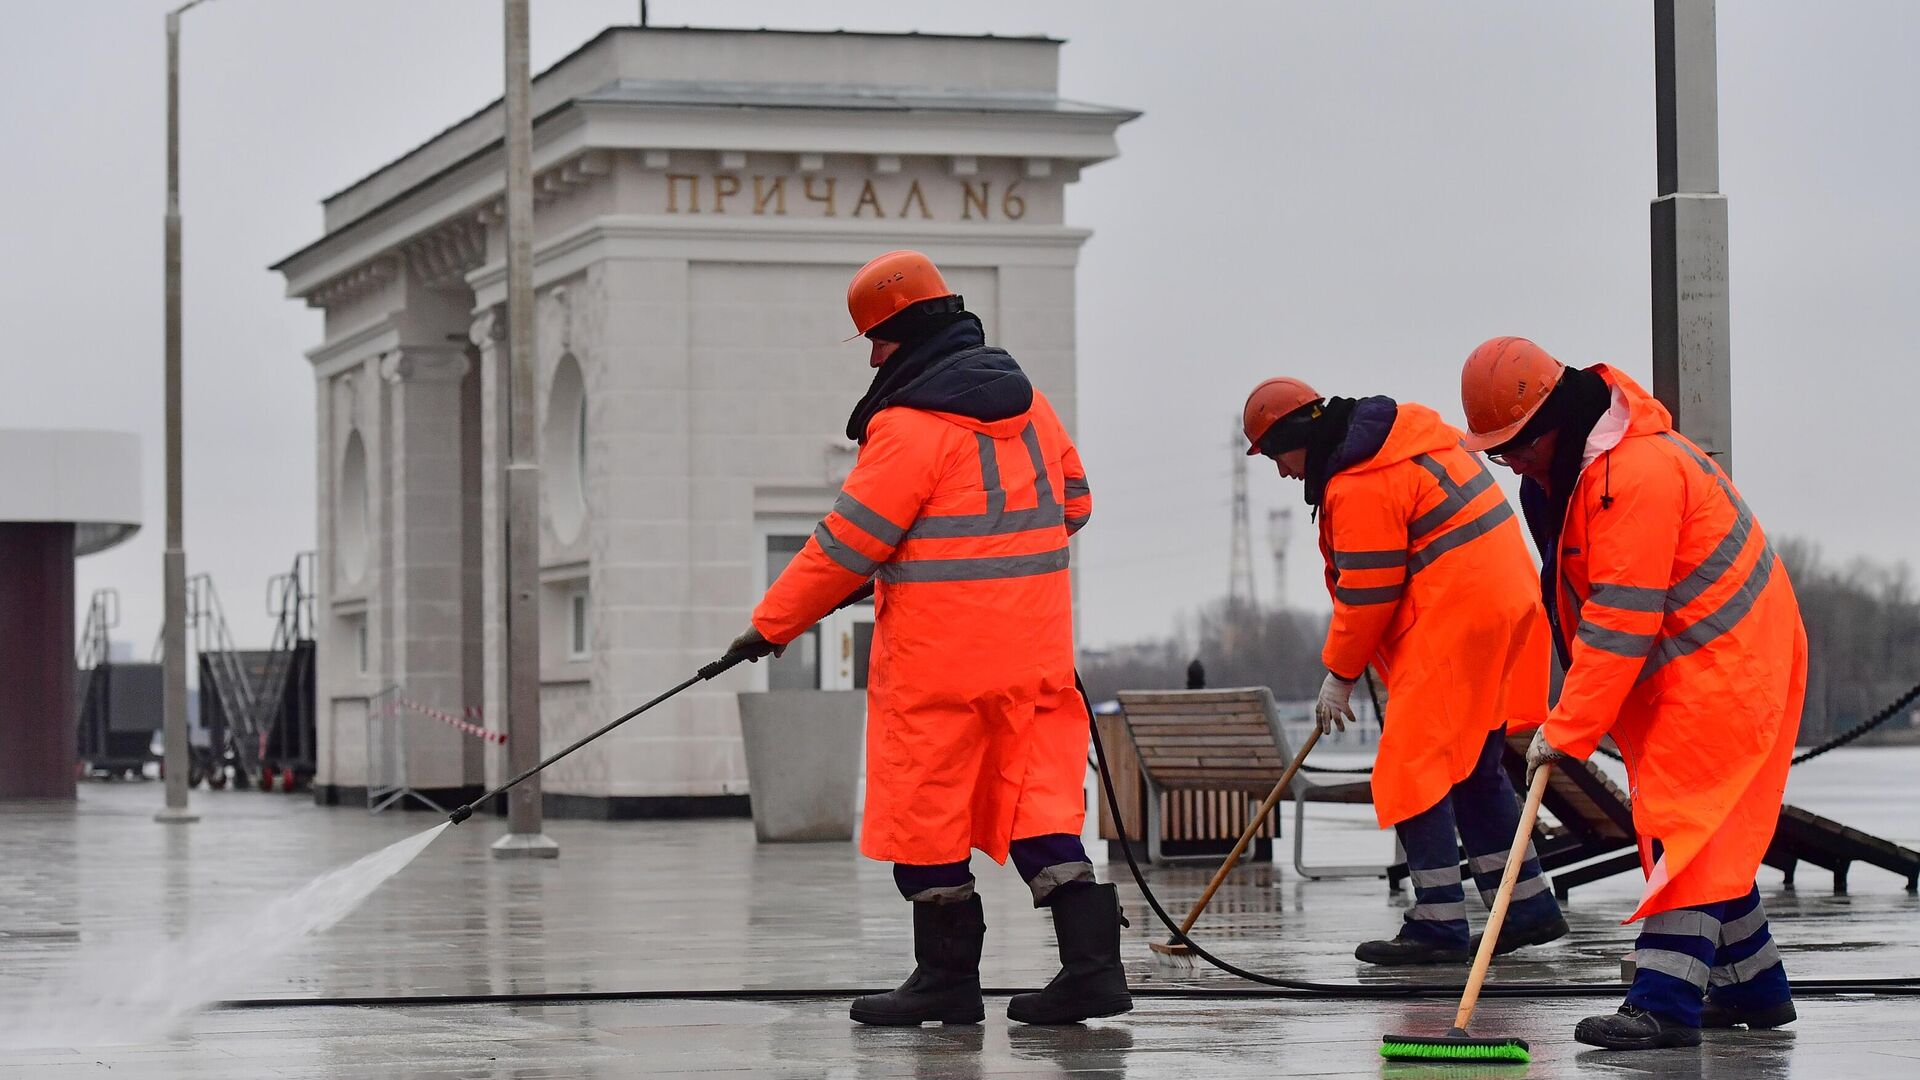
x: 465, y: 725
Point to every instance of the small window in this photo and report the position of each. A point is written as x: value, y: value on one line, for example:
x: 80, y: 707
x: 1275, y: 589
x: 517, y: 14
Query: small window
x: 360, y: 644
x: 577, y: 641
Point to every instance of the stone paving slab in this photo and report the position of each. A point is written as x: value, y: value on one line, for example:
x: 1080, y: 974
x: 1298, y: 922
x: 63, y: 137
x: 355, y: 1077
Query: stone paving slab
x: 677, y: 905
x: 814, y: 1039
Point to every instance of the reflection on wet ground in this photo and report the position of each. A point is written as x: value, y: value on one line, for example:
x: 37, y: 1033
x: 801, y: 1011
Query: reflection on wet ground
x: 678, y: 905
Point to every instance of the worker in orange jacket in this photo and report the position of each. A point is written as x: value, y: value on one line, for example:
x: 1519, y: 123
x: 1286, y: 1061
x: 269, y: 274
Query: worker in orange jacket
x: 1431, y: 585
x: 1681, y: 639
x: 958, y: 508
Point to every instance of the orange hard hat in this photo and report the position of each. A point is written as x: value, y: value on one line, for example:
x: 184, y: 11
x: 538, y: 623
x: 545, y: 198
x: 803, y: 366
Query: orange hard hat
x: 1270, y: 401
x: 890, y: 284
x: 1504, y: 382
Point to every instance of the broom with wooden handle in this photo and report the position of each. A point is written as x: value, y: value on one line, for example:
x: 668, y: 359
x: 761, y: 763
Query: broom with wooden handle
x: 1176, y: 950
x: 1456, y: 1044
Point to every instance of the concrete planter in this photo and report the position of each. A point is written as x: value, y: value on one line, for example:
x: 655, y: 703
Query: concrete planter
x: 803, y: 762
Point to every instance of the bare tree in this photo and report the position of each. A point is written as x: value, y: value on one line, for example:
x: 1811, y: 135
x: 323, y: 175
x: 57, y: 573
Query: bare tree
x: 1863, y: 636
x: 1238, y: 646
x: 1862, y: 618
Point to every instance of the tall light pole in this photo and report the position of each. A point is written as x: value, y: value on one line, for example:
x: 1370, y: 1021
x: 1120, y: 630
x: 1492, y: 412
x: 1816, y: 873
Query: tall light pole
x: 524, y: 838
x: 1692, y: 362
x: 174, y: 562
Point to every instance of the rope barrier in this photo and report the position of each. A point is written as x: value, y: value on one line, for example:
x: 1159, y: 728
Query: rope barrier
x: 1841, y: 739
x: 1858, y: 730
x: 1850, y: 735
x: 465, y: 725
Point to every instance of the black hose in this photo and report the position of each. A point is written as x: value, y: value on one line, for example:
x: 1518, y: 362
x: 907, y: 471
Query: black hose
x: 1808, y: 988
x: 1270, y: 988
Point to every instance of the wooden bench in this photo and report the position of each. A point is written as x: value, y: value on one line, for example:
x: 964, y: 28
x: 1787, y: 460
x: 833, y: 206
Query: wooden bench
x: 1193, y: 824
x: 1199, y: 762
x: 1807, y: 837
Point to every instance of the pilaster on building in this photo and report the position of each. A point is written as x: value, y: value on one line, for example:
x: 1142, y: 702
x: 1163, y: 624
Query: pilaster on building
x: 702, y: 197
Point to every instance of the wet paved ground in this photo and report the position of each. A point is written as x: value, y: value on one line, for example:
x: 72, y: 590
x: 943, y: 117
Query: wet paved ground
x: 666, y: 906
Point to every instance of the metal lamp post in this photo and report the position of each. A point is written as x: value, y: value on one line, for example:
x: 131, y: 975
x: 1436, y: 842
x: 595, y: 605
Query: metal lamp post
x: 174, y: 562
x: 1692, y: 362
x: 524, y: 838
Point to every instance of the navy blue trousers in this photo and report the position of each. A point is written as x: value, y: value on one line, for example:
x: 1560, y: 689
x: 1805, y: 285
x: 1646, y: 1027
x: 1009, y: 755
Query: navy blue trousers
x: 1724, y: 951
x: 1485, y: 812
x: 1046, y: 863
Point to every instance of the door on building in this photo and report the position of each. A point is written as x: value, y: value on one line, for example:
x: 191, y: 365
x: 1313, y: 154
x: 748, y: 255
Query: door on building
x: 847, y: 637
x: 833, y: 654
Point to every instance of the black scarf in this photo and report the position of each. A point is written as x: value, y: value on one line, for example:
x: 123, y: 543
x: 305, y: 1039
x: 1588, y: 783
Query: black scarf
x: 912, y: 361
x: 1574, y: 407
x: 1329, y: 430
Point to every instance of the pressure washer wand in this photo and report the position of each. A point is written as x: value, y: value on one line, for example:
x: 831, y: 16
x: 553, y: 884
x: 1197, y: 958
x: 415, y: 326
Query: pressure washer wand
x: 710, y: 671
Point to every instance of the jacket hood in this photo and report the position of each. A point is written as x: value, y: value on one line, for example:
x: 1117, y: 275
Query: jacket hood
x: 1645, y: 414
x: 980, y: 383
x: 1415, y: 430
x: 954, y: 373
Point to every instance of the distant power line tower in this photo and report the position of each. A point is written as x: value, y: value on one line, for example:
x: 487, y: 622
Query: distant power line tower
x: 1240, y: 594
x: 1280, y: 534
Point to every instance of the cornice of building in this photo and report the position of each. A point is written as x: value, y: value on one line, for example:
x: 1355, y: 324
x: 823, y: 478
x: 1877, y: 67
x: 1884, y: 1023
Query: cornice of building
x: 430, y: 210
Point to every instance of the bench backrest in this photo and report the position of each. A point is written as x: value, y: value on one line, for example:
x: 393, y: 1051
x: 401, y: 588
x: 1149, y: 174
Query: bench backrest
x: 1207, y: 740
x: 1582, y: 796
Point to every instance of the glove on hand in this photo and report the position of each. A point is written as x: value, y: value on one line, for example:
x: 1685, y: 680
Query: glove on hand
x: 752, y: 646
x: 1541, y: 752
x: 1332, y: 705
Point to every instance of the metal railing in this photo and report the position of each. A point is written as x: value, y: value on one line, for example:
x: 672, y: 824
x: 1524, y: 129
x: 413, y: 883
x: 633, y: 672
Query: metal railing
x: 213, y: 642
x: 290, y: 602
x: 103, y: 614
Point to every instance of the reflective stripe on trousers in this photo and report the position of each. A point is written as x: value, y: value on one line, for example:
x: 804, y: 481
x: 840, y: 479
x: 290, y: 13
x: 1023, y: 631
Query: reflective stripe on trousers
x: 1046, y: 863
x: 1724, y: 949
x: 1483, y: 811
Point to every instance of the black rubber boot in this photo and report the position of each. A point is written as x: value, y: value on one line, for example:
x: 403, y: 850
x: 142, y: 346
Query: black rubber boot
x: 1087, y: 920
x: 1634, y: 1028
x: 1713, y: 1015
x: 945, y: 985
x: 1409, y: 952
x: 1519, y: 937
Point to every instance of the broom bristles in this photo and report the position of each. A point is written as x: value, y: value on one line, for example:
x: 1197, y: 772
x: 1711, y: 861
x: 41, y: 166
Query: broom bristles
x: 1172, y: 956
x: 1453, y: 1048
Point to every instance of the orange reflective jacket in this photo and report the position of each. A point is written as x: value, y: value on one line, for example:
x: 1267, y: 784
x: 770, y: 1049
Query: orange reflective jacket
x: 1432, y: 584
x: 975, y: 733
x: 1685, y: 644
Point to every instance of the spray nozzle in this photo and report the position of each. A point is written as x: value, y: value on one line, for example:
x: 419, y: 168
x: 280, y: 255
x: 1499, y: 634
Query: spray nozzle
x: 460, y: 815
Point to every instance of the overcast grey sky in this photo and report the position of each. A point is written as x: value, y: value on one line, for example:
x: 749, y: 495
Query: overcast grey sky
x: 1355, y: 193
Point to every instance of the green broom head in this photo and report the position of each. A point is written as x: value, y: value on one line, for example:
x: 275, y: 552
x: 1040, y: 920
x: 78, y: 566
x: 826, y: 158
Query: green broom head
x: 1455, y: 1045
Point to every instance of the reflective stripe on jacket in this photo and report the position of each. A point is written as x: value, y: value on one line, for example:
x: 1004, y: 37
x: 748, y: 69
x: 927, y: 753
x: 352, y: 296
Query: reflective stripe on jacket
x: 1432, y: 583
x: 976, y: 735
x: 1686, y: 645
